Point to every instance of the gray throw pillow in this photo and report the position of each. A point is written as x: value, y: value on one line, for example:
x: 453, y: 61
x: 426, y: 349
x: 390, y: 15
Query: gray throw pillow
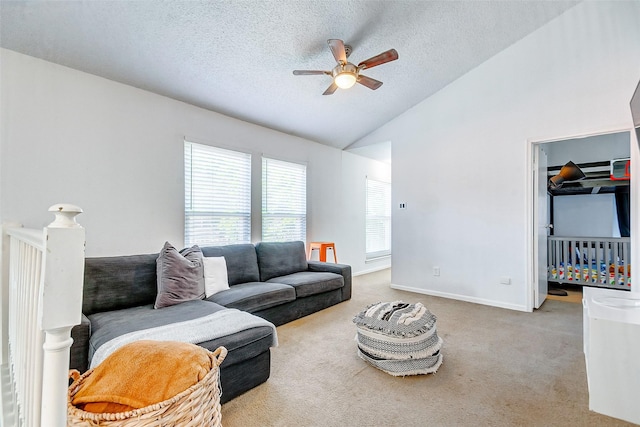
x: 180, y: 275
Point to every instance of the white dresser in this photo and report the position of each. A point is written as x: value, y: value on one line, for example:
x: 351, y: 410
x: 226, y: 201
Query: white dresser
x: 612, y: 352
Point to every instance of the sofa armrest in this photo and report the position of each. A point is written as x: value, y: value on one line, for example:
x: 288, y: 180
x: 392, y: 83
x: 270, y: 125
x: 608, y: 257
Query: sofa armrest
x: 343, y: 269
x: 79, y: 353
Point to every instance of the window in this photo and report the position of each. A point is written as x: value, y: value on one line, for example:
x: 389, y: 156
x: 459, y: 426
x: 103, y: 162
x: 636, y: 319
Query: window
x: 284, y: 201
x: 217, y: 189
x: 378, y: 219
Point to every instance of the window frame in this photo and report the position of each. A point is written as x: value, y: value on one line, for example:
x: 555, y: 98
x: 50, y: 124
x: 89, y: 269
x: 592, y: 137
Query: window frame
x: 385, y: 218
x: 301, y: 199
x: 220, y: 190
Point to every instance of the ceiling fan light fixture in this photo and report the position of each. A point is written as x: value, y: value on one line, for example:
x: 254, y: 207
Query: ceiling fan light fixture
x: 345, y: 74
x: 345, y: 80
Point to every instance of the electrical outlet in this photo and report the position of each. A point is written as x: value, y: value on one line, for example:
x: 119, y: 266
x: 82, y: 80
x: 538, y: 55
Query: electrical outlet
x: 505, y: 280
x: 403, y: 206
x: 436, y: 271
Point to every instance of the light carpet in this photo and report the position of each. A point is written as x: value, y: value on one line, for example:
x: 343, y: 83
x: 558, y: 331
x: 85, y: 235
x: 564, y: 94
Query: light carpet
x: 501, y: 368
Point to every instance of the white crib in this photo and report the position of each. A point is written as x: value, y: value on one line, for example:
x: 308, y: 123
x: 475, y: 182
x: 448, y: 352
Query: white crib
x: 590, y: 261
x: 45, y: 276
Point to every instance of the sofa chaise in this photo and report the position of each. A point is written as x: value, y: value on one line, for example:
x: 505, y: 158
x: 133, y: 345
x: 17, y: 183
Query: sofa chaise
x: 270, y: 281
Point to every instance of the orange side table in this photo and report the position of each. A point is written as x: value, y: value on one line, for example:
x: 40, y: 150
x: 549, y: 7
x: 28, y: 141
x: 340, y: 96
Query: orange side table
x: 322, y: 247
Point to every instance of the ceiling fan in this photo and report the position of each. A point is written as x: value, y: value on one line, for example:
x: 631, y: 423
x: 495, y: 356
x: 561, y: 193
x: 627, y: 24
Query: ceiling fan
x: 346, y: 74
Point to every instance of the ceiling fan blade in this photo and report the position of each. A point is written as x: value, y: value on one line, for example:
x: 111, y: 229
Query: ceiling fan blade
x: 337, y: 49
x: 331, y: 89
x: 310, y: 72
x: 384, y: 57
x: 369, y: 82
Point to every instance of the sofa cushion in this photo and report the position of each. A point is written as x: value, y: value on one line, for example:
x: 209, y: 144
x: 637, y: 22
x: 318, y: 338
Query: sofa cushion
x: 341, y: 269
x: 115, y: 283
x: 310, y: 283
x: 280, y: 258
x: 110, y: 324
x: 241, y: 345
x: 242, y: 263
x: 180, y: 275
x: 80, y: 335
x: 254, y: 296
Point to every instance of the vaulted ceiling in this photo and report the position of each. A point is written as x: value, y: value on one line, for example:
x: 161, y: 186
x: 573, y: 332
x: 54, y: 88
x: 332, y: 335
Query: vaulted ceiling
x: 237, y: 57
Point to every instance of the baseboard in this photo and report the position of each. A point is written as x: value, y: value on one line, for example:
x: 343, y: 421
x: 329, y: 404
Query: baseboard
x: 372, y: 270
x: 458, y: 297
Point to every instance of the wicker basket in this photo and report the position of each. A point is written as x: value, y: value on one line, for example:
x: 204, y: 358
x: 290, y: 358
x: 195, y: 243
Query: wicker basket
x: 197, y: 406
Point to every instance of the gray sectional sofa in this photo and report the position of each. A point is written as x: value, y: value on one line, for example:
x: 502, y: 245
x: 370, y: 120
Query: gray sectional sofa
x: 273, y: 281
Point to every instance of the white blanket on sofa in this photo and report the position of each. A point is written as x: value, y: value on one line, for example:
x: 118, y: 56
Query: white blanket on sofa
x: 216, y: 325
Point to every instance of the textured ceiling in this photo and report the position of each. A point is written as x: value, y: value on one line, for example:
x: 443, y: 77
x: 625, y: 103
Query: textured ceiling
x: 236, y: 57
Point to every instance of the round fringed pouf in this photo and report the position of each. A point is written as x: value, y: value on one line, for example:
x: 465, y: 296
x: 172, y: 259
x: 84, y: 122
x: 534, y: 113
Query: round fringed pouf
x: 399, y: 338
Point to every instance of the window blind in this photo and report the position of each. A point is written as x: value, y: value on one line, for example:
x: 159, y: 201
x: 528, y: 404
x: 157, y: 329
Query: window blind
x: 378, y: 220
x: 217, y: 207
x: 284, y: 201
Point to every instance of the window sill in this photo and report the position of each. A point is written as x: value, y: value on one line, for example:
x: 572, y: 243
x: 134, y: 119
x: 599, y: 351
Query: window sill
x: 376, y: 259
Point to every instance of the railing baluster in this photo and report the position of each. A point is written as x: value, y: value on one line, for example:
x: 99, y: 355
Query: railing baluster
x: 46, y: 270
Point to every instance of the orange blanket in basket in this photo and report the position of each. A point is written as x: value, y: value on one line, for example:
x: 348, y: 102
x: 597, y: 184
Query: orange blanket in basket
x: 140, y: 374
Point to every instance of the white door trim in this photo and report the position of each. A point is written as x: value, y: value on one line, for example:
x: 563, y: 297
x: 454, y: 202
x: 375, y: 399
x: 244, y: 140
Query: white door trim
x: 531, y: 202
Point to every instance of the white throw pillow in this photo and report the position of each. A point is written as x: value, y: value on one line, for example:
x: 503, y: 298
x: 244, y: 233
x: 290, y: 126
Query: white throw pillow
x: 215, y: 275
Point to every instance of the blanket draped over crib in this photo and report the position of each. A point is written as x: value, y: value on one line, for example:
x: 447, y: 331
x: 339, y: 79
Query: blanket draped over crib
x: 216, y: 325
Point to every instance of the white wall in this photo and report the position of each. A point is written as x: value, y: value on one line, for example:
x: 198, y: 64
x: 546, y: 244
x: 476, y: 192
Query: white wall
x: 596, y: 148
x: 117, y: 152
x: 461, y: 157
x: 4, y: 275
x: 587, y: 215
x: 355, y: 171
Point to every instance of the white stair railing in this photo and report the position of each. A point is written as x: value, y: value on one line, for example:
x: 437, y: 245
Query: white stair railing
x: 46, y: 269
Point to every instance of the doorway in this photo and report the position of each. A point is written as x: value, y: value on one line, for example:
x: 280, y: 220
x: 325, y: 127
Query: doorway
x: 584, y: 208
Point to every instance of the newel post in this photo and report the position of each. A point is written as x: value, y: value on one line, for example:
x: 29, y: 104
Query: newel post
x: 61, y: 307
